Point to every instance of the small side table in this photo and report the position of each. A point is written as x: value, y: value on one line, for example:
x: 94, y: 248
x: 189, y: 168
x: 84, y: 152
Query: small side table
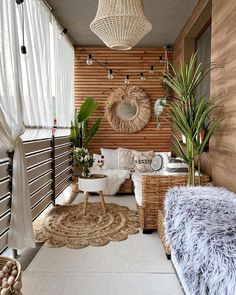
x: 94, y: 183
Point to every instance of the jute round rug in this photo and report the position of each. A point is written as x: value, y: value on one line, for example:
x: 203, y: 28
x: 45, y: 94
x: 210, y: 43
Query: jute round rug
x: 67, y: 225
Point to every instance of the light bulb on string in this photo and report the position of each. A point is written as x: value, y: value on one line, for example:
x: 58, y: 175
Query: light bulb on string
x: 142, y: 76
x: 89, y: 60
x: 127, y: 79
x: 110, y: 74
x: 161, y: 59
x: 63, y: 33
x: 151, y: 71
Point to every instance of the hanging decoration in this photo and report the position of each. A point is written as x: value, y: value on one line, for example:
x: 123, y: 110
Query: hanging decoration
x: 23, y: 47
x: 162, y: 101
x: 90, y: 59
x: 128, y: 109
x: 120, y: 24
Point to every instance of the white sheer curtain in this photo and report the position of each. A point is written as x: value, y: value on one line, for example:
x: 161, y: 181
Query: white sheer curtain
x: 63, y: 73
x: 12, y: 127
x: 26, y: 90
x: 36, y: 65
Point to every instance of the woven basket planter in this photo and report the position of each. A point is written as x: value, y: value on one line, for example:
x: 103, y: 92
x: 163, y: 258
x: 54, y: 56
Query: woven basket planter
x: 3, y: 262
x: 154, y: 188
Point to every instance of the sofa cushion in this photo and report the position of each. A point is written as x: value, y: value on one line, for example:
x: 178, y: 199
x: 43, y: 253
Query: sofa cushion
x: 177, y: 165
x: 137, y: 181
x: 125, y: 159
x: 162, y: 157
x: 142, y: 161
x: 110, y: 158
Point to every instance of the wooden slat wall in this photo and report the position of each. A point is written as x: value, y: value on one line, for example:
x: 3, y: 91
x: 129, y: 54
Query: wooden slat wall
x: 92, y: 81
x: 5, y: 203
x: 220, y: 162
x: 62, y: 164
x: 40, y: 170
x: 39, y: 167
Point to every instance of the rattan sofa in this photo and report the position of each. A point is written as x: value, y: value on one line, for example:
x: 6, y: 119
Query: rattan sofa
x: 154, y: 188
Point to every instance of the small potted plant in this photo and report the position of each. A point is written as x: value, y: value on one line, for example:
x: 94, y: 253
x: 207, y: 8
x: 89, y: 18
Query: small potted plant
x: 84, y: 159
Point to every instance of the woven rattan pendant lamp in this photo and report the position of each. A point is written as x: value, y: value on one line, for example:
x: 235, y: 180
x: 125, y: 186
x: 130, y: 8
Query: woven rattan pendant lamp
x: 120, y: 24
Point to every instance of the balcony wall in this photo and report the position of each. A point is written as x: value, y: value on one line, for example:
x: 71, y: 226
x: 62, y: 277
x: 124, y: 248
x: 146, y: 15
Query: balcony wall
x: 49, y: 173
x: 92, y: 81
x: 220, y: 161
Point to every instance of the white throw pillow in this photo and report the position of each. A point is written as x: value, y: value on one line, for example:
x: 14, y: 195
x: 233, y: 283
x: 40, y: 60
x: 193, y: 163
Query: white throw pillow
x: 110, y: 158
x: 142, y: 161
x: 125, y: 159
x: 167, y: 153
x: 165, y: 160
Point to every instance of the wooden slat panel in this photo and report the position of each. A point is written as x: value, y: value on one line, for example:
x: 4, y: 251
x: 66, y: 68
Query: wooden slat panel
x: 39, y: 182
x: 4, y: 223
x: 35, y: 159
x: 3, y: 242
x: 5, y: 205
x: 3, y: 170
x: 41, y: 206
x: 35, y: 198
x: 61, y: 187
x: 39, y: 170
x: 63, y: 176
x: 61, y: 159
x: 62, y: 150
x: 92, y: 81
x: 62, y: 140
x: 37, y: 145
x: 4, y: 190
x: 62, y: 167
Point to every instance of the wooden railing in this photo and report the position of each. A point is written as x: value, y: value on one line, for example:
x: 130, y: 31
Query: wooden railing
x: 49, y: 173
x: 5, y: 201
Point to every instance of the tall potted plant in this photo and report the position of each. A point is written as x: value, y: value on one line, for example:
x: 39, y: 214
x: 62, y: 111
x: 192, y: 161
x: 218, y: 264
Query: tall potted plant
x: 80, y: 134
x: 190, y: 113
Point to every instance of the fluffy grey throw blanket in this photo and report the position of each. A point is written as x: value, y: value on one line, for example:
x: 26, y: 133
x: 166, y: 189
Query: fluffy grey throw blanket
x: 201, y: 229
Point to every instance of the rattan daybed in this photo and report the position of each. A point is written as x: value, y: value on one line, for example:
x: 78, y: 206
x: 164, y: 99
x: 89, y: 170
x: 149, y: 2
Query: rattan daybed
x: 154, y: 188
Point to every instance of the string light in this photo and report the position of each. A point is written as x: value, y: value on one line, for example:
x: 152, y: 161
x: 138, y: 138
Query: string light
x: 23, y: 47
x: 127, y: 79
x: 142, y: 76
x: 151, y: 71
x: 89, y: 60
x: 64, y: 31
x: 110, y: 75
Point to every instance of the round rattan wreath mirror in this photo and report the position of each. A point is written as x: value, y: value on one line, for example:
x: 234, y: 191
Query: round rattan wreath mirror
x: 128, y: 109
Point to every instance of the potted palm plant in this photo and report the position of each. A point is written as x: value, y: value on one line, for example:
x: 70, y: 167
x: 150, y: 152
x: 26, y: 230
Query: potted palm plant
x: 190, y: 114
x: 80, y: 134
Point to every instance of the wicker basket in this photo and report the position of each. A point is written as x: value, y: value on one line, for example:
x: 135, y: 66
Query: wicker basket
x: 126, y: 187
x: 154, y: 189
x: 3, y: 262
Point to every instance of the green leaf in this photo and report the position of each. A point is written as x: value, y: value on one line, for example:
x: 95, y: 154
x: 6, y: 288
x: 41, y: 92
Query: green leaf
x: 92, y: 131
x: 88, y: 107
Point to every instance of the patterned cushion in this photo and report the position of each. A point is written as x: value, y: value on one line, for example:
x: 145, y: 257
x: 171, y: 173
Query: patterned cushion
x: 157, y: 163
x: 143, y: 161
x: 165, y: 160
x: 177, y: 165
x: 125, y: 159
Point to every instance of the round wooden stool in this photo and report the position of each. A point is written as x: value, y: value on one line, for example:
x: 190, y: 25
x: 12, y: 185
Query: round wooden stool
x: 94, y: 183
